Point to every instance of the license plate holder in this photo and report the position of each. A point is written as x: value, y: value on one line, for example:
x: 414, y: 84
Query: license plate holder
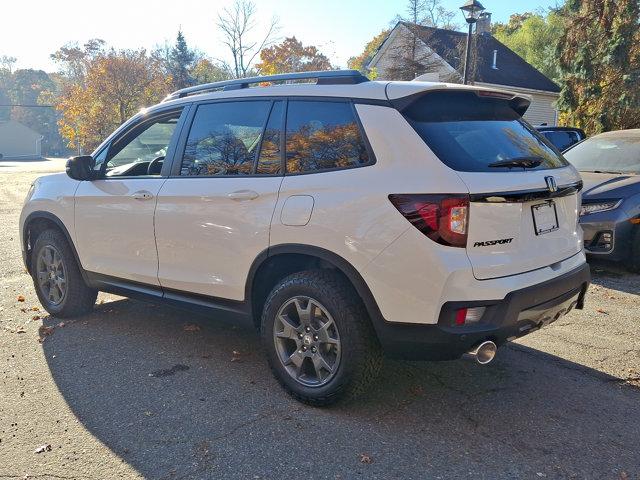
x: 545, y: 217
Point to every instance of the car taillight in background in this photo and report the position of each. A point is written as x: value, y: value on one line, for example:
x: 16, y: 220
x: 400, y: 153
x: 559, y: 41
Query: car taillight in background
x: 442, y: 217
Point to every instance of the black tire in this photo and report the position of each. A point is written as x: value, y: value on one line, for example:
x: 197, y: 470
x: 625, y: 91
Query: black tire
x: 78, y: 298
x: 634, y: 261
x: 360, y: 353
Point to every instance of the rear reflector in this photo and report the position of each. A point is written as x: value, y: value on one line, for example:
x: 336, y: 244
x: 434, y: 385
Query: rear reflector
x: 466, y: 316
x: 442, y: 217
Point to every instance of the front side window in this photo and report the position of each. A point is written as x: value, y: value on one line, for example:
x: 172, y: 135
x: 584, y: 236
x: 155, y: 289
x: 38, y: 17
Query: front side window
x: 224, y: 138
x: 471, y: 133
x: 140, y: 151
x: 322, y: 136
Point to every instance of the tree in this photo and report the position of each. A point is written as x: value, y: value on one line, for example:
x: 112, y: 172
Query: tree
x: 237, y: 25
x: 74, y: 60
x: 361, y: 61
x: 206, y: 71
x: 599, y: 59
x: 7, y: 63
x: 117, y: 84
x: 535, y: 38
x: 291, y: 56
x: 181, y: 61
x: 409, y: 55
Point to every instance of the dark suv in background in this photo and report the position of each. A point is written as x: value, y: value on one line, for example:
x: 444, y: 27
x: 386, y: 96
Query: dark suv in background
x: 562, y: 137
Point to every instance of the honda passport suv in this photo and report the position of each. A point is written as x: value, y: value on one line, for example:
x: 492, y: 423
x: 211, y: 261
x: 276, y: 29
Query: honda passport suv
x: 346, y: 218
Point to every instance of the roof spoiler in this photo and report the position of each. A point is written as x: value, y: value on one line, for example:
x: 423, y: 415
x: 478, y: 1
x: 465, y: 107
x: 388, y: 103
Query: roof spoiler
x: 408, y: 92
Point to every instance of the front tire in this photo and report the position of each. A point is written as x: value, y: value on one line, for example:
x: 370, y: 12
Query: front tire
x: 57, y: 279
x: 318, y: 338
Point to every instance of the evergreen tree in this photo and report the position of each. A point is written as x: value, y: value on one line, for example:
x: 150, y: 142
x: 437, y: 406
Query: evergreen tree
x: 181, y: 61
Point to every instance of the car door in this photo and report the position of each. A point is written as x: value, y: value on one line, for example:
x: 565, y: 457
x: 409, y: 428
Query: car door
x: 114, y: 212
x: 214, y: 212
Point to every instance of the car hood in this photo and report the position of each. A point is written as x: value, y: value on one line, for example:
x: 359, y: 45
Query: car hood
x: 609, y: 185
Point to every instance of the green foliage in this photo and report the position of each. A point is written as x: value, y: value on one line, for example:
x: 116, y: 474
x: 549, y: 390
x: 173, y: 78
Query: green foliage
x: 599, y: 60
x: 181, y: 61
x: 535, y: 38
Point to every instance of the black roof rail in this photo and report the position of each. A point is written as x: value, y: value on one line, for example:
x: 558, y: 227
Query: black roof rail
x: 324, y: 77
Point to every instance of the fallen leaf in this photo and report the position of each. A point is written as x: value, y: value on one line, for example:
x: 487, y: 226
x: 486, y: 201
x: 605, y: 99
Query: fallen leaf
x: 35, y: 308
x: 23, y: 309
x: 191, y: 327
x: 43, y: 332
x: 364, y: 458
x: 602, y: 311
x: 43, y: 448
x: 21, y: 298
x: 61, y: 324
x: 20, y: 330
x: 35, y: 317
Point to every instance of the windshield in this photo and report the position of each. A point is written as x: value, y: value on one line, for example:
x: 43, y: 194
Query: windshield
x: 617, y: 153
x: 479, y: 134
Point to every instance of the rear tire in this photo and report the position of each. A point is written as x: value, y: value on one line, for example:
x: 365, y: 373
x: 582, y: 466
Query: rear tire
x: 57, y: 279
x: 319, y: 341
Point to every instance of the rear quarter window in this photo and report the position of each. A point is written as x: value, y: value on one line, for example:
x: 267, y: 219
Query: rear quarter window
x: 323, y: 135
x: 468, y: 132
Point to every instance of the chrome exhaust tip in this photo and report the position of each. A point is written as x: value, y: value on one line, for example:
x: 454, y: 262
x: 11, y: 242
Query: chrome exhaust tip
x: 483, y: 353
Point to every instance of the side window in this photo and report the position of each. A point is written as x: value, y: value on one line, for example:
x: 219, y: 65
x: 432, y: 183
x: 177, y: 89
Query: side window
x: 321, y: 136
x: 269, y: 161
x: 142, y: 150
x: 224, y: 138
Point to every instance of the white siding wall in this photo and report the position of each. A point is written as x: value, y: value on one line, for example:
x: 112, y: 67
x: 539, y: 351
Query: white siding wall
x: 542, y: 110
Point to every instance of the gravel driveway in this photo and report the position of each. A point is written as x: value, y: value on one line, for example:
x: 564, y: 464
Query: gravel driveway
x: 139, y: 391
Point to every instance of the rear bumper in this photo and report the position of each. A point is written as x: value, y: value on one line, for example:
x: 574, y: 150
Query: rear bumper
x: 519, y: 313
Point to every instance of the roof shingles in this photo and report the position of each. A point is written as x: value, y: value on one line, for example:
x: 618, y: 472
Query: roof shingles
x: 512, y: 69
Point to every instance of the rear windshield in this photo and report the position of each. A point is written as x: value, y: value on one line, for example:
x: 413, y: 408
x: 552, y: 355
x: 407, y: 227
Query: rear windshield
x: 469, y: 133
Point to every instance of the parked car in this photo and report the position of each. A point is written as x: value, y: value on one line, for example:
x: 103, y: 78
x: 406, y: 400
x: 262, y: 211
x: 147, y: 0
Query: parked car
x: 562, y: 137
x: 610, y: 215
x: 345, y: 218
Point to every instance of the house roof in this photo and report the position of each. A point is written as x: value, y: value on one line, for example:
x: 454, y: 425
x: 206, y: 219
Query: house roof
x: 512, y: 69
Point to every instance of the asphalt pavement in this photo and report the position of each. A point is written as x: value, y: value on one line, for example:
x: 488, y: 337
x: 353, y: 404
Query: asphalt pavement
x: 141, y: 391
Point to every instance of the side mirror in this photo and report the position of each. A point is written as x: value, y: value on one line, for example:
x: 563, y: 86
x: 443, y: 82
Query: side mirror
x: 81, y: 168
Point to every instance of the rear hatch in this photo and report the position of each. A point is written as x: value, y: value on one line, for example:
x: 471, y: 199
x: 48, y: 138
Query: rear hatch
x: 524, y: 197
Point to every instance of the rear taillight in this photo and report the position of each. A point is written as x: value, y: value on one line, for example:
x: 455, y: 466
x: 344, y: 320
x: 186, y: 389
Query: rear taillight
x: 443, y: 218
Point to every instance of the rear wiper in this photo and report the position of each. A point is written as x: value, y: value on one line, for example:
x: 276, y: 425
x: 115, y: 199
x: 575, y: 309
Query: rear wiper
x: 518, y: 162
x: 607, y: 171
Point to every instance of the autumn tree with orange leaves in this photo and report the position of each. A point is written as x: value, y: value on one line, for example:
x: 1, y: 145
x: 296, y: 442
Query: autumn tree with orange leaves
x: 110, y: 87
x: 292, y: 56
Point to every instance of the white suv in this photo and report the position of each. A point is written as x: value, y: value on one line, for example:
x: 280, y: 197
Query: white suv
x: 346, y: 218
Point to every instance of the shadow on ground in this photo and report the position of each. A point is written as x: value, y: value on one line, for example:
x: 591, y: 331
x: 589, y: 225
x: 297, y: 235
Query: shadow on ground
x: 614, y: 276
x: 181, y: 404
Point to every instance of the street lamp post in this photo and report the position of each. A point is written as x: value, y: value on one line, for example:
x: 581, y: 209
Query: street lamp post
x: 471, y: 11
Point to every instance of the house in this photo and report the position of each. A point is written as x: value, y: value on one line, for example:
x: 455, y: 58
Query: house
x: 19, y: 141
x: 438, y: 55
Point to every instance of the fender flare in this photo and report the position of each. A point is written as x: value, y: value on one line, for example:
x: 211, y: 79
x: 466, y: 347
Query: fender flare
x: 342, y: 265
x: 40, y: 214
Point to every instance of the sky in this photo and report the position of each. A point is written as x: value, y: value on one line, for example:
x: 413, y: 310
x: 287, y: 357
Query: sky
x: 31, y: 30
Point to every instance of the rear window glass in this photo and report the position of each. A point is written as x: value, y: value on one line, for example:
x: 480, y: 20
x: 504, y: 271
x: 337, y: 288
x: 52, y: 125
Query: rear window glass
x: 561, y: 139
x: 469, y: 133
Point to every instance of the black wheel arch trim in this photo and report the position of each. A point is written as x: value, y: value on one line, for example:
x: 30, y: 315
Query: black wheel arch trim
x: 38, y: 215
x: 330, y: 257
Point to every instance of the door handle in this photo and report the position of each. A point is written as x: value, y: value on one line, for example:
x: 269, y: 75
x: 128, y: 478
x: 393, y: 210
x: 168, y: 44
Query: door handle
x: 243, y: 195
x: 142, y: 195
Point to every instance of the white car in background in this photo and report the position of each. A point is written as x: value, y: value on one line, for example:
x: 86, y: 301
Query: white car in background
x: 346, y: 218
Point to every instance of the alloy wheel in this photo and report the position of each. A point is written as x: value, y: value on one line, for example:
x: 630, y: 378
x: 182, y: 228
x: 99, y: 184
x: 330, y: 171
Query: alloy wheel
x: 307, y: 341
